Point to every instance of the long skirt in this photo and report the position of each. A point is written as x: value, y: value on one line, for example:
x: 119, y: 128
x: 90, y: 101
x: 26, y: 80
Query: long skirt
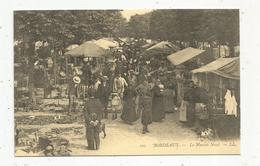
x: 191, y: 113
x: 168, y: 98
x: 137, y: 109
x: 129, y: 114
x: 157, y: 109
x: 146, y: 108
x: 93, y: 139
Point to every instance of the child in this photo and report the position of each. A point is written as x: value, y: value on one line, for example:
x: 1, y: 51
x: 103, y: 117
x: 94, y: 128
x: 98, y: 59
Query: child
x: 93, y: 131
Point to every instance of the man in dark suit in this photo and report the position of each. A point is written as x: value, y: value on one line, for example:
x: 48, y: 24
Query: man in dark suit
x: 103, y: 92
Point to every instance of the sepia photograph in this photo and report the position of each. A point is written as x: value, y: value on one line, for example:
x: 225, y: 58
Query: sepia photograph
x: 126, y: 82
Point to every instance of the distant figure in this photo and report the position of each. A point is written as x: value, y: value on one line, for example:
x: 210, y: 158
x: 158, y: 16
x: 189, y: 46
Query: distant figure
x: 73, y: 88
x: 86, y: 73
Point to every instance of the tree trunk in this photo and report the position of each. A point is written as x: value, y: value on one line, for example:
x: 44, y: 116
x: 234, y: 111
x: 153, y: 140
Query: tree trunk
x: 55, y: 68
x: 232, y: 50
x: 66, y: 68
x: 219, y: 50
x: 30, y: 54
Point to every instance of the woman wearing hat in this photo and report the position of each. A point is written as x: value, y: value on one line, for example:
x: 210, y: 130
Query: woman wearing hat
x: 157, y: 102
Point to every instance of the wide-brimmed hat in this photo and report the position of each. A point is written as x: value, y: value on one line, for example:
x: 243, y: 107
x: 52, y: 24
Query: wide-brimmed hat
x: 76, y: 79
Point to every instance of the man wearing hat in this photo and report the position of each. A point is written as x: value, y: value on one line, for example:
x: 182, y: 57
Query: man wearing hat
x: 73, y: 87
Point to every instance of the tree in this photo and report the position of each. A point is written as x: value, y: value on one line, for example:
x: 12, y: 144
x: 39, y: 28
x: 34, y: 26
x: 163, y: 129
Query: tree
x: 224, y: 24
x: 138, y: 26
x: 196, y: 25
x: 61, y: 28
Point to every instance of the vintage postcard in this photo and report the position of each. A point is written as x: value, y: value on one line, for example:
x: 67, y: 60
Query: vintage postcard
x: 126, y: 82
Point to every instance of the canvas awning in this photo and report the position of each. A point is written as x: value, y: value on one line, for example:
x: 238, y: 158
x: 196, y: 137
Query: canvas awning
x: 225, y: 67
x: 163, y: 47
x: 70, y: 47
x: 184, y: 55
x: 107, y: 43
x: 87, y: 49
x: 148, y: 45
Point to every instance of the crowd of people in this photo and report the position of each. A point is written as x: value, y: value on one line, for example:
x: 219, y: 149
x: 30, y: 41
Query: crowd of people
x: 136, y: 86
x: 133, y: 87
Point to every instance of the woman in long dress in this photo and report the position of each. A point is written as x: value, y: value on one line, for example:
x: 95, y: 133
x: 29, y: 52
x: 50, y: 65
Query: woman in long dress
x: 157, y: 103
x: 129, y: 113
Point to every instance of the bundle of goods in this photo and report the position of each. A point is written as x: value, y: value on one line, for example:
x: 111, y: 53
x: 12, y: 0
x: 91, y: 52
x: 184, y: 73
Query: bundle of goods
x: 53, y: 145
x: 207, y: 134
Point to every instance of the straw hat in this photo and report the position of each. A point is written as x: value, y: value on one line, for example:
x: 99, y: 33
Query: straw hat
x: 76, y: 79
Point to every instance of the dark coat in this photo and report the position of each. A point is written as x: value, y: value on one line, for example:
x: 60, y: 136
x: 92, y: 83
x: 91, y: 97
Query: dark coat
x: 103, y: 93
x: 92, y: 135
x: 157, y: 105
x: 86, y: 74
x: 200, y: 95
x: 93, y: 105
x: 191, y: 98
x: 92, y: 132
x: 129, y: 114
x: 146, y: 108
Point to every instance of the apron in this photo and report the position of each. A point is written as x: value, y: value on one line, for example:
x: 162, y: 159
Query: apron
x: 183, y: 111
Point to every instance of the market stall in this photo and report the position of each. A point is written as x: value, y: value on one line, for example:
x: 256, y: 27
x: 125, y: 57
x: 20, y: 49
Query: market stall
x: 221, y: 78
x: 162, y: 48
x: 184, y: 61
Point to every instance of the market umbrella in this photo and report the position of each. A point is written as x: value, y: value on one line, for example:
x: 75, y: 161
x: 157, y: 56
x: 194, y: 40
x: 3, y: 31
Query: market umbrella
x: 87, y: 49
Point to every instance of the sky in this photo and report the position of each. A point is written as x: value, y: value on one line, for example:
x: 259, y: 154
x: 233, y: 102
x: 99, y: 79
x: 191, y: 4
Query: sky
x: 128, y: 13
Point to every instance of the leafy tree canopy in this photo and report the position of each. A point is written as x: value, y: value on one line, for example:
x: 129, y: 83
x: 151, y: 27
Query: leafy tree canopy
x: 67, y: 27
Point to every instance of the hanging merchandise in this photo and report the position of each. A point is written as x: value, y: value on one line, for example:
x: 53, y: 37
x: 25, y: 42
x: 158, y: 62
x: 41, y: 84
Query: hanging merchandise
x: 234, y: 104
x: 230, y: 104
